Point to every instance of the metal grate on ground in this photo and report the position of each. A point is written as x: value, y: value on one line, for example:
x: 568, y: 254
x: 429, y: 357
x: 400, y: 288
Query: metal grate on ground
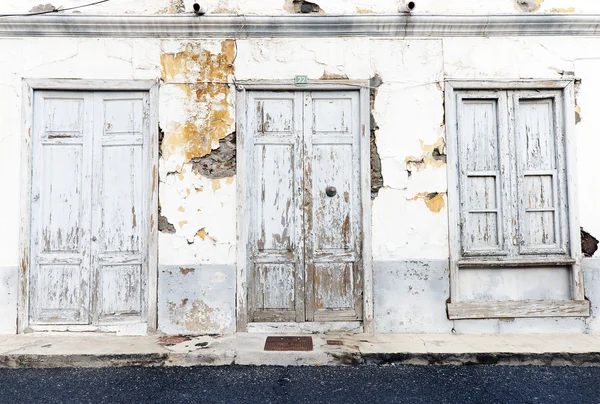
x: 289, y: 344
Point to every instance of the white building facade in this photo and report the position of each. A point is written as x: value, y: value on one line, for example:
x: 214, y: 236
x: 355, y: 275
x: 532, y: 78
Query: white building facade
x: 300, y: 167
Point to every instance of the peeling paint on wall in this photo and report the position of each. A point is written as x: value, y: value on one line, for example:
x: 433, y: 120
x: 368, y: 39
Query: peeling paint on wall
x: 435, y: 201
x: 186, y: 271
x: 434, y: 155
x: 563, y: 10
x: 528, y: 5
x: 220, y: 162
x: 203, y: 76
x: 174, y: 7
x: 196, y: 317
x: 333, y: 76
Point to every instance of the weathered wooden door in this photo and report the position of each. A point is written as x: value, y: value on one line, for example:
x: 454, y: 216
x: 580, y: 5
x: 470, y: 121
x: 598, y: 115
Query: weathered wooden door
x: 89, y: 208
x: 304, y: 198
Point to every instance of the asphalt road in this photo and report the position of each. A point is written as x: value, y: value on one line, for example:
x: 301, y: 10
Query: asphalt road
x: 366, y: 384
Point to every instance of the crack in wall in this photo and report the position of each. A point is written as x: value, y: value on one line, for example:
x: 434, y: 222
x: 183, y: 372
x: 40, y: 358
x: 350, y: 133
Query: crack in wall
x: 163, y: 223
x: 376, y: 175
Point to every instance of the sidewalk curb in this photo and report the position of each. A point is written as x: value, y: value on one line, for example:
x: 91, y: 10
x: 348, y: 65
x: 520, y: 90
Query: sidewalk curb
x: 500, y: 358
x: 16, y: 361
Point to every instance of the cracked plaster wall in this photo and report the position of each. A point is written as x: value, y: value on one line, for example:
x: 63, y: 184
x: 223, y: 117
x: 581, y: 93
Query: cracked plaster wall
x: 274, y: 7
x: 408, y: 109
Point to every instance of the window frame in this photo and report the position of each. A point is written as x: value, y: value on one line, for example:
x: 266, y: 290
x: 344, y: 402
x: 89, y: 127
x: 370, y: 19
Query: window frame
x: 577, y: 305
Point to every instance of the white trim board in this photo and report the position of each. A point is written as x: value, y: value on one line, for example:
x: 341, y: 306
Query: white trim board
x: 295, y: 26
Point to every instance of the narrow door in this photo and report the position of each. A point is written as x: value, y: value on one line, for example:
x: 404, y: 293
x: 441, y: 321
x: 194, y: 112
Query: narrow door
x: 90, y: 199
x: 304, y: 204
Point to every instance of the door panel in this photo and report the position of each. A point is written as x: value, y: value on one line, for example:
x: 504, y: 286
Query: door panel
x: 331, y: 215
x: 118, y: 211
x: 60, y: 266
x: 276, y: 247
x: 304, y: 245
x: 120, y: 292
x: 331, y: 139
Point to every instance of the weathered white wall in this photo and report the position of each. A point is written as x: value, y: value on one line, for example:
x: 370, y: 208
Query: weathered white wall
x: 274, y: 7
x: 410, y: 230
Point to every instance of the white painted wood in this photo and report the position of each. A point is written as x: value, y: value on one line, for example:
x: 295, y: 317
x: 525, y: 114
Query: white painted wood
x: 61, y: 208
x: 365, y: 187
x: 319, y: 328
x: 105, y: 170
x: 297, y: 144
x: 243, y: 213
x: 572, y: 198
x: 151, y: 109
x: 25, y: 208
x: 481, y: 173
x: 90, y: 85
x: 533, y: 150
x: 524, y: 308
x: 333, y: 223
x: 507, y: 84
x: 523, y: 263
x: 454, y: 212
x: 119, y: 224
x: 540, y: 173
x: 276, y: 261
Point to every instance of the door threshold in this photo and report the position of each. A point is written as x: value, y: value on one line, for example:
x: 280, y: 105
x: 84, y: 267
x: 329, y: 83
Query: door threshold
x: 136, y: 329
x: 330, y: 327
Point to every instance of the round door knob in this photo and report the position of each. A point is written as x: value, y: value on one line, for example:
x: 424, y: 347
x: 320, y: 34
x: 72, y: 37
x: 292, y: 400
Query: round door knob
x: 330, y: 191
x: 94, y: 238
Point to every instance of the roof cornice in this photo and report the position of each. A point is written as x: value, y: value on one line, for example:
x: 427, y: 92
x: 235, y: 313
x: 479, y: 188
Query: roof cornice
x: 228, y: 26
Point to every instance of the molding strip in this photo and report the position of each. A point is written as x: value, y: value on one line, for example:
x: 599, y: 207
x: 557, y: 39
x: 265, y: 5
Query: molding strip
x: 297, y: 26
x: 521, y: 309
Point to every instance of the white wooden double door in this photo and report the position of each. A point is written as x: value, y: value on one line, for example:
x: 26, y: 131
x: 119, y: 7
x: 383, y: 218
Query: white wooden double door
x: 90, y: 198
x: 304, y: 198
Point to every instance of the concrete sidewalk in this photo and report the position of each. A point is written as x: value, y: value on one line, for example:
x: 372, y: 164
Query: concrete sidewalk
x: 101, y: 350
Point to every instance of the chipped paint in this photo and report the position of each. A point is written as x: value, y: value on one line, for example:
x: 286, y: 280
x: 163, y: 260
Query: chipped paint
x: 174, y: 7
x: 186, y: 271
x: 203, y: 77
x: 203, y: 234
x: 333, y: 76
x: 563, y: 10
x: 364, y: 10
x: 577, y: 114
x: 528, y: 5
x: 435, y: 201
x: 434, y: 155
x: 196, y: 318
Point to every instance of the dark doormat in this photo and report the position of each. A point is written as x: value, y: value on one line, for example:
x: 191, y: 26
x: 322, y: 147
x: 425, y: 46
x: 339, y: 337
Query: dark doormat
x: 289, y: 344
